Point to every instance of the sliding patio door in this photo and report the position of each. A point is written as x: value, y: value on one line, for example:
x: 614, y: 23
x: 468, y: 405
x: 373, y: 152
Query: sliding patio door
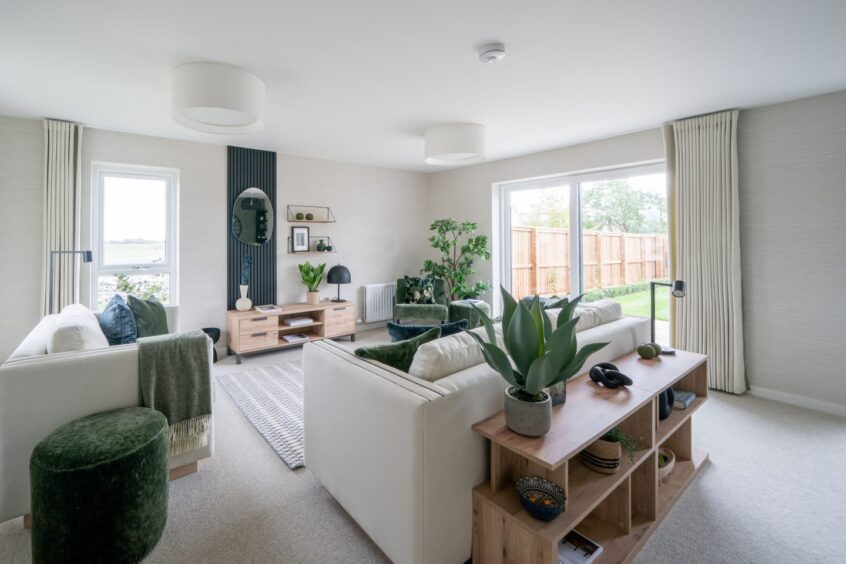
x: 603, y: 234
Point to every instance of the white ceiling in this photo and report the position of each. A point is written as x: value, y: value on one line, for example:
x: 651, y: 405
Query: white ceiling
x: 361, y: 80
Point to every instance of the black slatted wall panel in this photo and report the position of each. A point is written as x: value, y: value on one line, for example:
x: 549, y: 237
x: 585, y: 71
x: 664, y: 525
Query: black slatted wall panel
x: 252, y: 168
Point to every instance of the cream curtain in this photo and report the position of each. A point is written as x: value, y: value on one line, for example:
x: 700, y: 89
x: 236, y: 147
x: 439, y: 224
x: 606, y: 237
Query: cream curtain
x: 62, y: 200
x: 703, y: 202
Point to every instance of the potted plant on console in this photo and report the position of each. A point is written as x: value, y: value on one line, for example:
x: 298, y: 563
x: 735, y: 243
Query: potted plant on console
x: 542, y: 357
x: 312, y: 276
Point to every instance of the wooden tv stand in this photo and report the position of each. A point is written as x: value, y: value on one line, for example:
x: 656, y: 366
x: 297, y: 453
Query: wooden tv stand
x: 618, y: 511
x: 252, y: 332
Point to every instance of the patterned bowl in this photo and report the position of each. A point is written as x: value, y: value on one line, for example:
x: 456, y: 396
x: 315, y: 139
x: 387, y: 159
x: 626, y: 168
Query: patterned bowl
x: 543, y: 499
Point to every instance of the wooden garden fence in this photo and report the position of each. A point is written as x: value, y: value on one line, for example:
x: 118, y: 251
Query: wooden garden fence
x: 540, y: 259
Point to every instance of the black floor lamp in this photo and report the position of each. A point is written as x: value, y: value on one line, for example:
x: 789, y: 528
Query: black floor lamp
x: 87, y: 256
x: 678, y: 290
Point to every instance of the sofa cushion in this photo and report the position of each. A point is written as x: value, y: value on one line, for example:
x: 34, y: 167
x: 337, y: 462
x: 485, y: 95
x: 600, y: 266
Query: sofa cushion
x: 76, y: 329
x: 591, y: 314
x: 449, y: 355
x: 38, y: 339
x: 118, y: 322
x: 402, y: 332
x: 418, y: 291
x: 150, y: 316
x: 400, y: 354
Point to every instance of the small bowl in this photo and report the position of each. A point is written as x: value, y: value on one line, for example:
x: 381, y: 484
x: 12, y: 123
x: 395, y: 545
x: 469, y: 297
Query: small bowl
x: 541, y: 489
x: 667, y: 469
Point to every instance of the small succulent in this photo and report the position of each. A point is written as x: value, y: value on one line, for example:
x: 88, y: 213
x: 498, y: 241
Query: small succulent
x: 542, y: 356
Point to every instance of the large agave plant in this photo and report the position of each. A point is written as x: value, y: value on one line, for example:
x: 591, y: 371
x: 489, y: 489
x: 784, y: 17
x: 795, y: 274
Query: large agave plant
x: 542, y: 356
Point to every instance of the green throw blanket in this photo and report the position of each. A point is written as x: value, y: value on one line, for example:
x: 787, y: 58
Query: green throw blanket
x: 173, y: 371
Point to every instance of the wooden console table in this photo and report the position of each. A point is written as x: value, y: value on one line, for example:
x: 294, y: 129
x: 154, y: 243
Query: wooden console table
x: 252, y: 332
x: 618, y: 511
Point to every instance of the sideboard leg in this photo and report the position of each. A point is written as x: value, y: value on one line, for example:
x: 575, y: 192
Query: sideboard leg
x: 237, y: 358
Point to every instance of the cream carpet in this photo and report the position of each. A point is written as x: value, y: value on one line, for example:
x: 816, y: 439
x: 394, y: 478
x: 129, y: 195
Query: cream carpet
x: 773, y: 492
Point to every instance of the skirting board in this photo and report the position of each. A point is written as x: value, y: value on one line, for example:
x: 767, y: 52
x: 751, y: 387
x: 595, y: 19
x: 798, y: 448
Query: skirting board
x: 799, y: 401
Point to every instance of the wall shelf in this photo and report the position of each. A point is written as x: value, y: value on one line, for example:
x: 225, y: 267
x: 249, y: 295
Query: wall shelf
x: 322, y: 214
x: 312, y: 246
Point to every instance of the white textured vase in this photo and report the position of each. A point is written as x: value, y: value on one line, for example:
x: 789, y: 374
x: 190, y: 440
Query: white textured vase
x: 244, y: 303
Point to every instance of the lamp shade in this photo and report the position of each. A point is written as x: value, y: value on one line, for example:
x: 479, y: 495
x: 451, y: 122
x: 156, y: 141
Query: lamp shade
x: 218, y: 98
x: 338, y: 274
x: 455, y: 143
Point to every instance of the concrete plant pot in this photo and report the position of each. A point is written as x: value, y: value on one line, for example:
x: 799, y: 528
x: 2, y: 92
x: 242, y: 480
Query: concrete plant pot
x: 527, y: 418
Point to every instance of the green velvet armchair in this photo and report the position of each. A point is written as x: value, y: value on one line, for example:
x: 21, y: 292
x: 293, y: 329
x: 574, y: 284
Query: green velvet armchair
x: 438, y: 311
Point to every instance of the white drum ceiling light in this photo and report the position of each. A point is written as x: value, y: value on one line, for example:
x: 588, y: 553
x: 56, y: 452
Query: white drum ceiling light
x: 218, y: 98
x: 459, y: 143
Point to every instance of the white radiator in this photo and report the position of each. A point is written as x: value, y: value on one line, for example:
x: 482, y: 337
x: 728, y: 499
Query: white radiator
x: 379, y: 301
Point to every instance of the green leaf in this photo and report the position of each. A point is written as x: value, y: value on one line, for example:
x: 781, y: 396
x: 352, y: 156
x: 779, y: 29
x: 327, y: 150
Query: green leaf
x: 567, y: 311
x: 575, y: 365
x: 537, y: 317
x: 562, y: 345
x: 497, y: 360
x: 523, y: 341
x: 539, y: 374
x: 509, y: 305
x: 486, y: 321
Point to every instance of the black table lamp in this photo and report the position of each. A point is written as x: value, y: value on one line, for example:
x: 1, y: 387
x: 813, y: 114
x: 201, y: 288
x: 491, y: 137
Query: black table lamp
x: 678, y: 290
x: 338, y: 274
x: 87, y: 256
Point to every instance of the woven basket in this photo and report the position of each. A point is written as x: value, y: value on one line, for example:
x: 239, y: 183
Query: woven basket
x: 603, y: 456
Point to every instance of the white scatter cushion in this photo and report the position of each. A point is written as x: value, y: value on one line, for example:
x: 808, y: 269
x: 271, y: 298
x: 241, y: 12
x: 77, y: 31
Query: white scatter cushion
x: 76, y: 329
x: 36, y: 342
x: 448, y: 355
x: 591, y: 314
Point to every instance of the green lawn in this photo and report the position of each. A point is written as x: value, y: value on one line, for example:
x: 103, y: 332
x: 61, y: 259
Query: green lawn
x: 638, y: 304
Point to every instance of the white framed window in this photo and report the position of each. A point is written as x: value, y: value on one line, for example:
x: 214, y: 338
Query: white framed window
x: 134, y: 232
x: 602, y: 233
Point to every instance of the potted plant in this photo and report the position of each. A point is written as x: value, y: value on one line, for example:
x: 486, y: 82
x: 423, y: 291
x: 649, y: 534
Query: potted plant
x: 605, y: 454
x: 666, y: 463
x: 312, y: 276
x: 542, y: 357
x: 459, y: 248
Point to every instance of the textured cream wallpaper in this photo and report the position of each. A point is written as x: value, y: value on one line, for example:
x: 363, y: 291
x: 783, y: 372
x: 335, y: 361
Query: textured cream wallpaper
x: 21, y: 180
x: 793, y: 246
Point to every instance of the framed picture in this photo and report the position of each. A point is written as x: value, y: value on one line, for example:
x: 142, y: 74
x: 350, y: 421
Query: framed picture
x: 300, y: 240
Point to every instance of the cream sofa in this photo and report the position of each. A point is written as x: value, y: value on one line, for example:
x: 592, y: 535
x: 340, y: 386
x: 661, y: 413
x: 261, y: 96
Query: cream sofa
x: 39, y: 392
x: 396, y: 450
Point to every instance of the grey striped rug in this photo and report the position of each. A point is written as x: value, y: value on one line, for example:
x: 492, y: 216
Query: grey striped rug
x: 271, y: 397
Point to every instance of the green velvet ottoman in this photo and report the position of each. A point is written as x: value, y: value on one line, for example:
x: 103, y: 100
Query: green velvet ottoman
x: 461, y: 309
x: 99, y: 488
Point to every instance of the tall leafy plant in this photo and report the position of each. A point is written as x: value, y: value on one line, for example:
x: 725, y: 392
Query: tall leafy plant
x: 542, y: 355
x: 459, y: 247
x: 312, y: 276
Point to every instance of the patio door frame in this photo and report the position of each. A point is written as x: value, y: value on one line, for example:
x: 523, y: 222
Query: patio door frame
x: 574, y: 181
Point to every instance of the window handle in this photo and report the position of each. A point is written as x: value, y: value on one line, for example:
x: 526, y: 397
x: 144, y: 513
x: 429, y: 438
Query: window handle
x: 137, y: 267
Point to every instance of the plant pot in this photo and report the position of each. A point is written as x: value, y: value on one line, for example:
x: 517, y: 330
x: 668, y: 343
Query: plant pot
x: 313, y: 298
x: 558, y: 393
x: 527, y: 418
x: 244, y: 303
x: 603, y: 456
x: 667, y: 469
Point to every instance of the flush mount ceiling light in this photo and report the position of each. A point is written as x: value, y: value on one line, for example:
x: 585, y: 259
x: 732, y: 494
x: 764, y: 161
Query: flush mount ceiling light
x: 457, y: 143
x: 492, y: 53
x: 218, y: 98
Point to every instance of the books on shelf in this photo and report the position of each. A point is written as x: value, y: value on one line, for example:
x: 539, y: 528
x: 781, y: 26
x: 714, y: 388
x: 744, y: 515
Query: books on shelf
x: 295, y: 338
x: 298, y: 321
x: 577, y: 549
x: 682, y: 399
x: 269, y: 309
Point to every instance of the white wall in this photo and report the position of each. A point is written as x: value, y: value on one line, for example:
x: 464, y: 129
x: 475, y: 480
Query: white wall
x: 467, y: 193
x: 380, y: 233
x: 793, y: 249
x: 21, y: 199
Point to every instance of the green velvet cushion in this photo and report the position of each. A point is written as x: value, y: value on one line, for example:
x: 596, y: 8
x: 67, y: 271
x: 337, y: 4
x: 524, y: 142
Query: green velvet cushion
x: 99, y: 488
x: 399, y: 355
x: 421, y: 312
x: 150, y: 316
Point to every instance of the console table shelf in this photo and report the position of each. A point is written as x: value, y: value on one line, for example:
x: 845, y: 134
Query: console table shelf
x: 618, y: 511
